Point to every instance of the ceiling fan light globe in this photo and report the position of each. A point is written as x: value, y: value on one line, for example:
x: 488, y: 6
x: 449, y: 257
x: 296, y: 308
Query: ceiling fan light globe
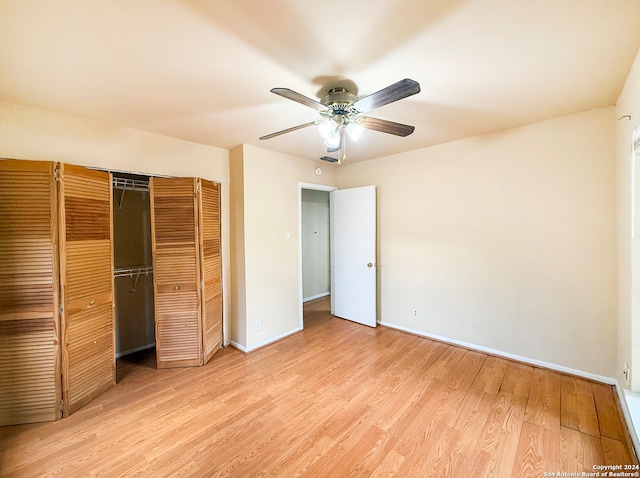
x: 354, y: 130
x: 333, y: 140
x: 327, y: 128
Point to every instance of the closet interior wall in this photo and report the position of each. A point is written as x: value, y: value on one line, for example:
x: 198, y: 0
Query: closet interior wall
x: 133, y: 271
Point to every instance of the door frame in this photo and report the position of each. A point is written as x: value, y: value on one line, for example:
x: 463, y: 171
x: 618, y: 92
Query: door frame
x: 313, y: 187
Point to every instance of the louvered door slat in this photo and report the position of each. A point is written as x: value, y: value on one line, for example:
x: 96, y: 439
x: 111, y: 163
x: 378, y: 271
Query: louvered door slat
x: 175, y: 271
x: 211, y: 267
x: 29, y: 353
x: 88, y: 356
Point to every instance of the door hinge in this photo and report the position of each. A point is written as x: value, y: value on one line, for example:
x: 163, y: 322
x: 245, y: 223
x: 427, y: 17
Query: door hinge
x: 61, y: 405
x: 60, y: 309
x: 56, y: 172
x: 198, y: 186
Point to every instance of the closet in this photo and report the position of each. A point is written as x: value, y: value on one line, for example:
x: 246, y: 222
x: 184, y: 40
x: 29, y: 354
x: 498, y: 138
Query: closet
x: 133, y: 273
x: 57, y: 274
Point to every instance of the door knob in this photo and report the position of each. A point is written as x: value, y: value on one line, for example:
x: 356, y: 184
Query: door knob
x: 370, y: 265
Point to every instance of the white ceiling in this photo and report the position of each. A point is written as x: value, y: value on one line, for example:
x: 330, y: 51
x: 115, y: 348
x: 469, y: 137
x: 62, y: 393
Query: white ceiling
x: 202, y: 70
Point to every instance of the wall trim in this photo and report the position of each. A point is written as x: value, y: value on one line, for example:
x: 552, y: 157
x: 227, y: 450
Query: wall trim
x: 264, y: 343
x: 500, y: 353
x: 236, y: 345
x: 317, y: 296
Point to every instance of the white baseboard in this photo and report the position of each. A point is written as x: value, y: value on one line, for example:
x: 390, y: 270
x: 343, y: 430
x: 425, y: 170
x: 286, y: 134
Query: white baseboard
x: 317, y: 296
x: 500, y: 353
x: 236, y: 345
x: 134, y: 350
x: 270, y: 340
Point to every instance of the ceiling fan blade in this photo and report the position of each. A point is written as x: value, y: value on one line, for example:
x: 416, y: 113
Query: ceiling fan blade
x: 385, y: 126
x: 295, y: 96
x: 289, y: 130
x: 391, y: 93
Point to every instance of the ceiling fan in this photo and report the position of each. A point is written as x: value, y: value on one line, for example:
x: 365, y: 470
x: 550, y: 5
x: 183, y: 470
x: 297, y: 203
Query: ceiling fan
x: 342, y: 112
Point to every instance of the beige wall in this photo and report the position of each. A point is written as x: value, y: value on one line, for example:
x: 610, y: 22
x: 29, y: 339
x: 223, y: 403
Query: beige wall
x: 237, y: 307
x: 628, y: 250
x: 31, y: 133
x: 505, y: 241
x: 271, y: 261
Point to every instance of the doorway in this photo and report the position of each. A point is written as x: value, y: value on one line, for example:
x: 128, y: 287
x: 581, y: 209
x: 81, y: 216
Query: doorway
x: 314, y: 243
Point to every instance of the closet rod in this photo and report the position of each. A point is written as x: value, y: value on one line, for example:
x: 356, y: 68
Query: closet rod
x: 131, y: 271
x: 130, y: 184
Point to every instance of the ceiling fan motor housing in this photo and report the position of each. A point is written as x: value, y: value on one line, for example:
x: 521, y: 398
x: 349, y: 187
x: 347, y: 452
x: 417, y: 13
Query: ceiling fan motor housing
x: 338, y: 95
x: 339, y: 102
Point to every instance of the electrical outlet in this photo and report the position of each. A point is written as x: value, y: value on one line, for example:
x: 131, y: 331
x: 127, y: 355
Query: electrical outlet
x: 415, y: 314
x: 627, y: 374
x: 258, y: 324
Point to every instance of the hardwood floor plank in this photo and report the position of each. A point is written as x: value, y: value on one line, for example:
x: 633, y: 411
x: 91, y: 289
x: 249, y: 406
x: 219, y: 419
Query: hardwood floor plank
x: 337, y: 399
x: 517, y: 379
x: 490, y: 377
x: 616, y: 452
x: 501, y: 433
x: 389, y: 466
x: 538, y: 452
x: 543, y: 407
x: 469, y: 421
x: 578, y: 410
x: 608, y: 417
x: 579, y: 452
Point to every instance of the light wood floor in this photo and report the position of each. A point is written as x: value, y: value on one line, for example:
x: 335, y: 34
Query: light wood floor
x: 338, y: 399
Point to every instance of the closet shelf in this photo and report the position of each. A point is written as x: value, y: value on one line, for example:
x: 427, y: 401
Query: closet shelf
x: 126, y: 184
x: 131, y: 271
x: 130, y: 184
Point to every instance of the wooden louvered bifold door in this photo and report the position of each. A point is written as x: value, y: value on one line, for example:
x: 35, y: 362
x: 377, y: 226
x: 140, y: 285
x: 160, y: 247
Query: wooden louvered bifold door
x: 29, y: 326
x: 211, y: 267
x: 175, y: 271
x: 86, y: 276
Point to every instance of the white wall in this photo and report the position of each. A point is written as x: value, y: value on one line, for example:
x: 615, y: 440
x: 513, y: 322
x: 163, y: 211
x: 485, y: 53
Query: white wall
x: 628, y: 251
x: 270, y: 240
x: 35, y: 134
x: 316, y: 259
x: 506, y: 241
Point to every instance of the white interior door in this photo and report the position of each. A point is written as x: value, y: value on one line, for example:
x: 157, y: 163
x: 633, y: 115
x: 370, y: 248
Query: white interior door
x: 353, y: 254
